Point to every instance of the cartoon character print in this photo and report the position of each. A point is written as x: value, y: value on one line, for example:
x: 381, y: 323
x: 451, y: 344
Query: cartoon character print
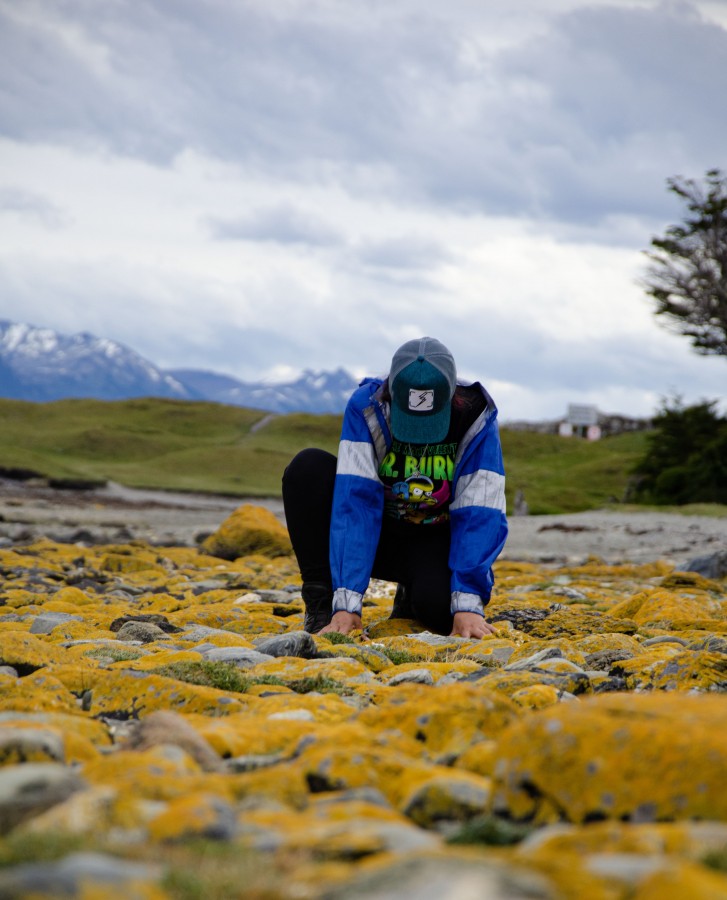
x: 416, y: 500
x: 417, y: 481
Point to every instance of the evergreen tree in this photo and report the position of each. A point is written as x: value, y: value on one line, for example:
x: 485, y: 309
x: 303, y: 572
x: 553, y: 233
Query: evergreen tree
x: 686, y: 459
x: 688, y: 272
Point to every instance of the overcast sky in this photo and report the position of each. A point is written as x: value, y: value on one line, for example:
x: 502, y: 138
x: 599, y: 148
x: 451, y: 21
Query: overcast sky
x: 262, y: 186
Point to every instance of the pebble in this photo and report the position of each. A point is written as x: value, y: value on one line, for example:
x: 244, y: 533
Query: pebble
x: 46, y: 622
x: 75, y: 876
x: 242, y: 657
x: 294, y: 643
x: 31, y: 788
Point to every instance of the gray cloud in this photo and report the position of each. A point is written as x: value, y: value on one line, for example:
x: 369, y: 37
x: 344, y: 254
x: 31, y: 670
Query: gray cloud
x: 284, y: 224
x: 573, y: 124
x: 32, y: 206
x: 405, y: 252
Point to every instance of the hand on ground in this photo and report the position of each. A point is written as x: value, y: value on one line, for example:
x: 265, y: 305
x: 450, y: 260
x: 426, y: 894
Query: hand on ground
x: 473, y: 625
x: 343, y: 622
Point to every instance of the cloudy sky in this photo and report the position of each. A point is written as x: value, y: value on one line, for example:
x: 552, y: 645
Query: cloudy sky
x: 262, y: 186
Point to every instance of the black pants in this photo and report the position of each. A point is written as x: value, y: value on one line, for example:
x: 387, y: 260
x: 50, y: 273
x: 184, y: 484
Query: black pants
x: 415, y: 556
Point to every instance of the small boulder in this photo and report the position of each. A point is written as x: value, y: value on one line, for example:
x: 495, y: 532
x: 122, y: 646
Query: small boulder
x: 250, y: 529
x: 713, y: 566
x: 31, y: 788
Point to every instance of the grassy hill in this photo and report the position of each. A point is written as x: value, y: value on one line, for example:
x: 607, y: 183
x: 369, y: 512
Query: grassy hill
x: 179, y: 445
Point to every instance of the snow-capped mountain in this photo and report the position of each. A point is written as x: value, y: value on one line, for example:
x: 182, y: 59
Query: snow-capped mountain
x: 317, y: 392
x: 40, y: 364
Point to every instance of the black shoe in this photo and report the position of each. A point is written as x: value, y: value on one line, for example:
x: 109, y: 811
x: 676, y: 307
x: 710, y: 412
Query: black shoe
x: 318, y: 599
x: 402, y: 607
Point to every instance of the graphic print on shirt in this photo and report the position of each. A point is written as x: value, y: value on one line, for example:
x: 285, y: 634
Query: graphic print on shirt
x: 417, y: 481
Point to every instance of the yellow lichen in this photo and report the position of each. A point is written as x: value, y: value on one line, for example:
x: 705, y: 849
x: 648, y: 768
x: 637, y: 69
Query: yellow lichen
x: 250, y: 529
x: 580, y: 760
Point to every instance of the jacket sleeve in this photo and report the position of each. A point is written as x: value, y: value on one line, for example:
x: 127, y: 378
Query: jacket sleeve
x: 478, y: 522
x: 358, y: 500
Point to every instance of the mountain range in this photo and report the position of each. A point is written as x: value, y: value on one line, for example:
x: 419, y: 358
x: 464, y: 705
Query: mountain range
x: 40, y: 364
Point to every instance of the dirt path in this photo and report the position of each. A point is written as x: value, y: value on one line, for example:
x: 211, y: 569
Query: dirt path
x: 117, y: 513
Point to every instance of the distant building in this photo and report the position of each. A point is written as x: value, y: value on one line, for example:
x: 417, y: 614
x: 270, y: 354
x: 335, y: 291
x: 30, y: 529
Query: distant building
x: 581, y: 421
x: 584, y: 421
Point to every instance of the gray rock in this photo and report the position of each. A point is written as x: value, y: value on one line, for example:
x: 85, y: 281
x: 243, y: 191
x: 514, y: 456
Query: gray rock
x: 262, y: 596
x: 293, y: 715
x: 602, y: 660
x: 534, y: 661
x: 445, y: 799
x: 664, y: 639
x: 498, y: 657
x: 627, y: 868
x: 210, y: 584
x: 21, y: 744
x: 31, y: 788
x: 47, y: 621
x: 370, y: 795
x: 242, y: 657
x: 437, y: 640
x: 71, y: 875
x: 8, y: 670
x: 713, y: 566
x: 254, y: 761
x: 570, y: 593
x: 152, y: 618
x: 146, y: 632
x: 434, y: 876
x: 295, y: 643
x: 521, y: 618
x: 412, y: 676
x: 278, y: 596
x: 715, y: 643
x: 451, y: 677
x: 200, y: 633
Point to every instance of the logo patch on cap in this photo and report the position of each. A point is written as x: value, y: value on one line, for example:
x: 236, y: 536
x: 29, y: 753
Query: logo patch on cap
x: 421, y: 400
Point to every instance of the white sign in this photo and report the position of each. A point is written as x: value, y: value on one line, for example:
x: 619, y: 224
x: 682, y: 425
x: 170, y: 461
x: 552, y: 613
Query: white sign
x: 582, y: 415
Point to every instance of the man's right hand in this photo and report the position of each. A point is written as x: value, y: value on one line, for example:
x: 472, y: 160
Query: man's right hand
x: 343, y: 622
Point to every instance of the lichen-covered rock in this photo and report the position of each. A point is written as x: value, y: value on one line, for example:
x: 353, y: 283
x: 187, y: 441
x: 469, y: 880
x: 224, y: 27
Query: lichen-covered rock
x: 616, y: 859
x: 129, y: 694
x: 26, y: 652
x: 250, y: 529
x: 447, y: 798
x: 673, y: 670
x: 578, y: 762
x: 316, y: 750
x: 37, y: 692
x: 18, y: 745
x: 87, y: 875
x: 31, y: 788
x: 198, y: 815
x: 445, y: 721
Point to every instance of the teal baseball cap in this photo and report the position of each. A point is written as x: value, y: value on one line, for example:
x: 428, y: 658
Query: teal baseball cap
x: 422, y: 380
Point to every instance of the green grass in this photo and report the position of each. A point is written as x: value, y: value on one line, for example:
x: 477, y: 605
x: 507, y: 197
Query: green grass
x: 151, y: 443
x: 207, y: 447
x: 192, y: 869
x: 221, y: 675
x: 559, y: 475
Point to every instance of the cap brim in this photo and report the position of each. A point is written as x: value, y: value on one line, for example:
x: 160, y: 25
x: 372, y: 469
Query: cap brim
x: 420, y: 429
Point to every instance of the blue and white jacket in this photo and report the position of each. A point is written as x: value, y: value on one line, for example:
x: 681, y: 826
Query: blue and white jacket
x: 477, y: 511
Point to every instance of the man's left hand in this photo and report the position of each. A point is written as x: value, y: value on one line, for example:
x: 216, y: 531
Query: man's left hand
x: 467, y: 624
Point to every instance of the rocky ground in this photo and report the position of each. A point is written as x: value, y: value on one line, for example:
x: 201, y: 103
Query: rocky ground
x: 32, y: 510
x: 168, y: 731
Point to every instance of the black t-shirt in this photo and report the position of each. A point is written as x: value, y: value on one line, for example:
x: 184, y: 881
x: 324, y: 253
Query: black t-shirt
x: 417, y: 478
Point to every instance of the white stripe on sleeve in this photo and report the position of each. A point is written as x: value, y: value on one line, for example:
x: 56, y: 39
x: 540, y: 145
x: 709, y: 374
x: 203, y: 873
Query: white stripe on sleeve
x: 357, y: 458
x: 481, y: 488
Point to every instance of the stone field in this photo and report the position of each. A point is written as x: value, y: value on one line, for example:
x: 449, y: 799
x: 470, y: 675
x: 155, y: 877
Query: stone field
x: 167, y: 730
